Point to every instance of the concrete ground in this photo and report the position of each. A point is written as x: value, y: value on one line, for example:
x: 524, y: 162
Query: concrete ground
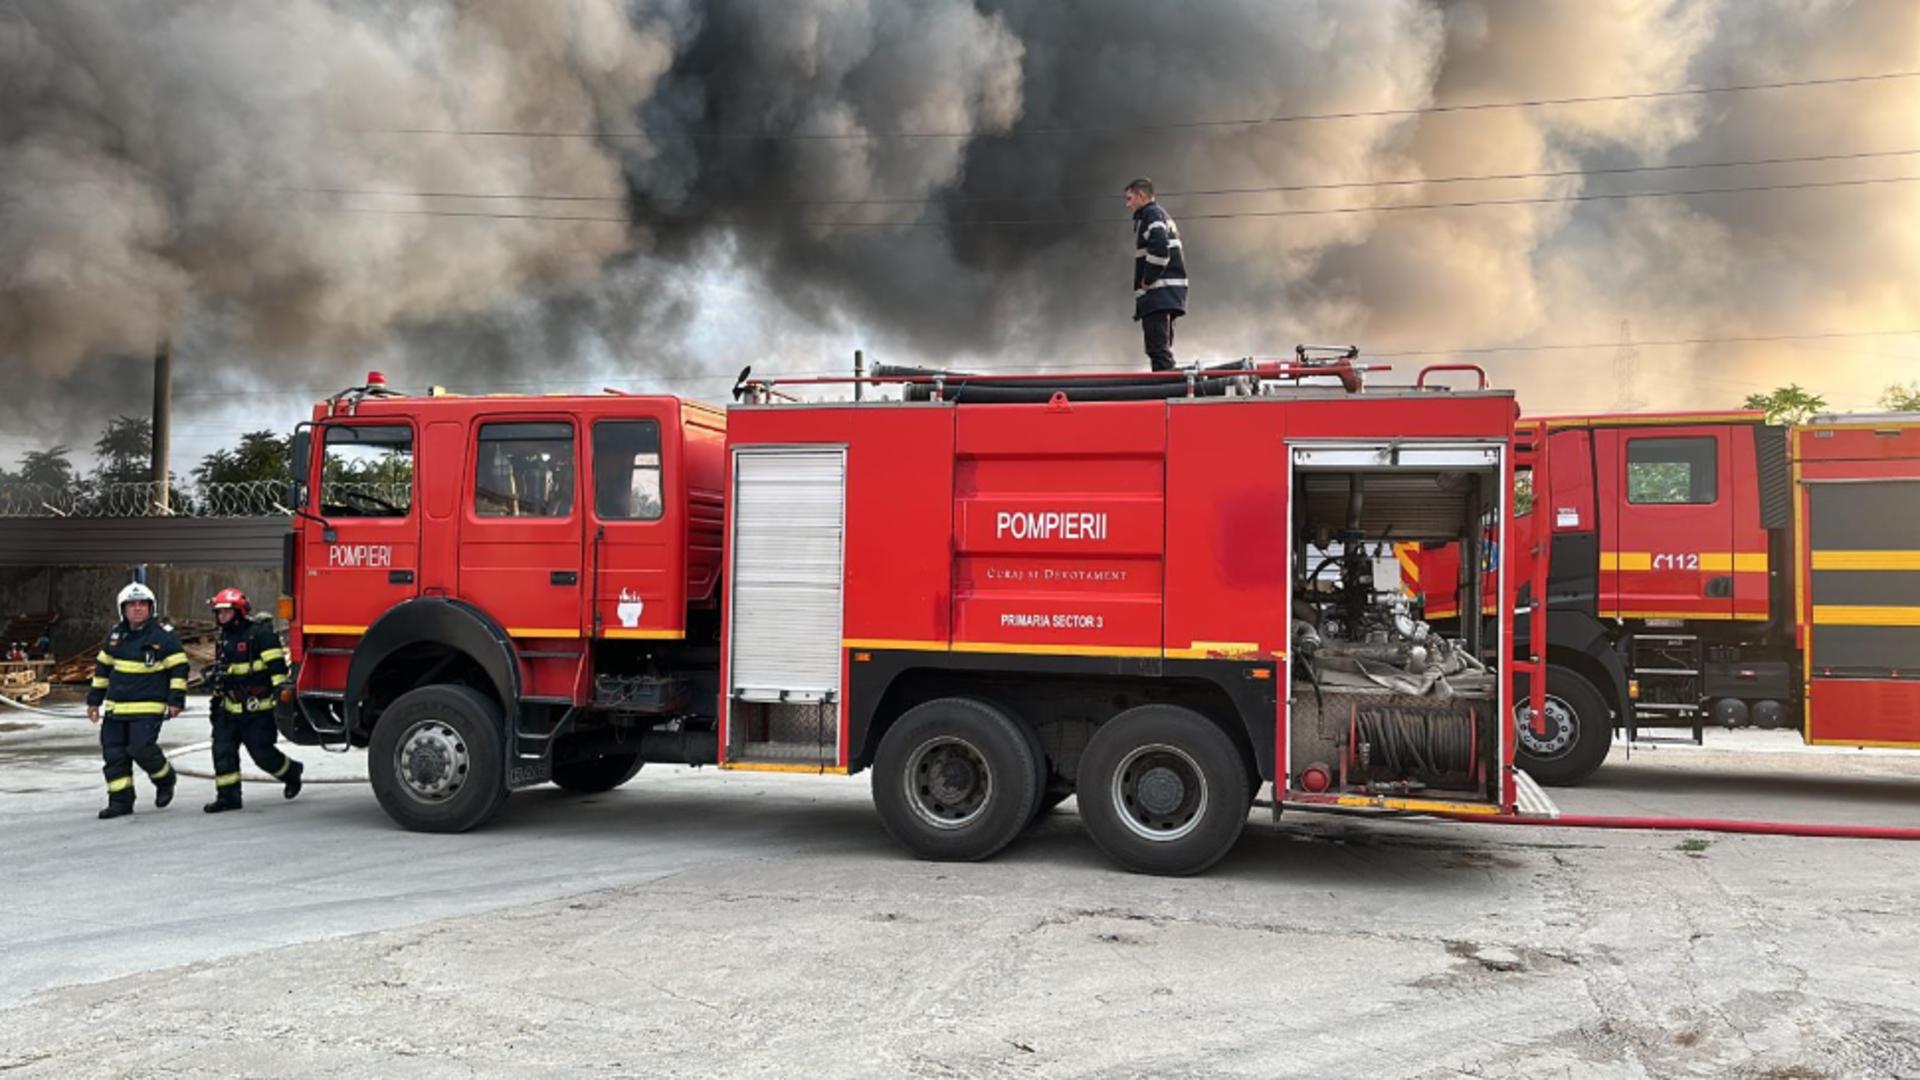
x: 697, y: 922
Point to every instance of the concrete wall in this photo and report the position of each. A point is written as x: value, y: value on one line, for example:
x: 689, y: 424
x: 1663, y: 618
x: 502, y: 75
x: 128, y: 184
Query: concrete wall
x: 84, y: 596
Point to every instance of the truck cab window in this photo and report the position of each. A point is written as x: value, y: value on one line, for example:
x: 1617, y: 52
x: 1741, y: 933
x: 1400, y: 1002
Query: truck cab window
x: 367, y: 471
x: 1674, y: 471
x: 626, y: 470
x: 524, y: 470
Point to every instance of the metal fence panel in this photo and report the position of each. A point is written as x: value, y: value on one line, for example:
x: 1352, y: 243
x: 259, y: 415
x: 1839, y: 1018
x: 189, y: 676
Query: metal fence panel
x: 184, y: 541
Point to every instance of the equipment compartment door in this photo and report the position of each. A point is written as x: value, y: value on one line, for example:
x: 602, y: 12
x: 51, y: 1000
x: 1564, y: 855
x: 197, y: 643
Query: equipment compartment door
x: 520, y: 542
x: 1668, y: 549
x: 788, y: 514
x: 1863, y: 540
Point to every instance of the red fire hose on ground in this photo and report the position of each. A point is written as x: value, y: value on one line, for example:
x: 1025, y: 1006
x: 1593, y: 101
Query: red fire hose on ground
x: 1684, y: 824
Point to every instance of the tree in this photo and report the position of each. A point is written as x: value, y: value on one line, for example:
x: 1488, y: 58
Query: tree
x: 49, y: 468
x: 259, y: 455
x: 1789, y: 404
x: 1901, y: 397
x: 125, y: 448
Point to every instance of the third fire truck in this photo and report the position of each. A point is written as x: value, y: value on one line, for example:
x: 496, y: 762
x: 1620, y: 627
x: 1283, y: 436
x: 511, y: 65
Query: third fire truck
x: 1714, y: 570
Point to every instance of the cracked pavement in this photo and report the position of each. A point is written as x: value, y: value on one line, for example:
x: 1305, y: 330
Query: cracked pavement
x: 695, y: 922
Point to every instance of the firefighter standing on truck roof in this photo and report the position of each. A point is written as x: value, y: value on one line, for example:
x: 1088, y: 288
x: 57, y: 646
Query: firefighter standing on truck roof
x: 139, y: 680
x: 248, y: 670
x: 1159, y: 273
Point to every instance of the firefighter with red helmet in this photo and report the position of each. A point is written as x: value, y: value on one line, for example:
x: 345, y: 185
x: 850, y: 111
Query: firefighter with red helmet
x: 139, y: 681
x: 249, y: 667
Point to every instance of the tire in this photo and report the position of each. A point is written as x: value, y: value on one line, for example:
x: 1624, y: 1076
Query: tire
x: 436, y: 759
x: 1579, y: 731
x: 1163, y: 790
x: 592, y: 776
x: 954, y: 780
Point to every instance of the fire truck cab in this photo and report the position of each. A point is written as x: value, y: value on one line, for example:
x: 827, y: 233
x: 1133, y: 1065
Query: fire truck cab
x: 1156, y: 594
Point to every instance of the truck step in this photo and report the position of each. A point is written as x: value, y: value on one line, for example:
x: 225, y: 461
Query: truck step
x: 785, y: 753
x: 1530, y: 800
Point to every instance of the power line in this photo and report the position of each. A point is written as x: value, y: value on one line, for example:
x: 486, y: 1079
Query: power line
x: 1131, y: 128
x: 1743, y: 339
x: 1236, y: 215
x: 1552, y: 174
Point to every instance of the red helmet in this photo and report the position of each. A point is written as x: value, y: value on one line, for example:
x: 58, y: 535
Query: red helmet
x: 232, y: 598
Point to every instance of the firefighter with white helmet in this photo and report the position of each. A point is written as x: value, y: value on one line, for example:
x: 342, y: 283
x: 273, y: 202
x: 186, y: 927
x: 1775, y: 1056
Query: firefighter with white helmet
x: 139, y: 681
x: 249, y: 667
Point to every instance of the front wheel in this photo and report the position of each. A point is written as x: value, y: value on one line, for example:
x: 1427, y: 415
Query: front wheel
x: 436, y: 760
x: 1163, y: 790
x: 1579, y: 731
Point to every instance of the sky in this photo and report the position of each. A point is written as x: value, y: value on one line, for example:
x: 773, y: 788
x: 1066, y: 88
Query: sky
x: 1641, y: 203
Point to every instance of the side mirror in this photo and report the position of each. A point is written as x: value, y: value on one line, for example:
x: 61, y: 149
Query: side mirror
x: 300, y: 454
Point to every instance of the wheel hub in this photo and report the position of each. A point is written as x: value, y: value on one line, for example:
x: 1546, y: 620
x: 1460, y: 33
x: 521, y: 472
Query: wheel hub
x: 1160, y: 792
x: 948, y: 783
x: 432, y: 761
x: 1561, y: 724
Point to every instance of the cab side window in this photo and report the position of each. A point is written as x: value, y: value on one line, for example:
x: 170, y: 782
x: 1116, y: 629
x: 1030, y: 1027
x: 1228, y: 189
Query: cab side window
x: 1673, y: 471
x: 367, y: 471
x: 524, y: 470
x: 626, y: 470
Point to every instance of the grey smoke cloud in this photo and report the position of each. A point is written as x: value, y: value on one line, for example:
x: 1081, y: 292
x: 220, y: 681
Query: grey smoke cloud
x: 163, y: 167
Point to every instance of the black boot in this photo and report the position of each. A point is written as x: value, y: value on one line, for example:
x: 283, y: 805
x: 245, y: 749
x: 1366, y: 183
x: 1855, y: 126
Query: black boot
x: 226, y: 798
x: 294, y: 769
x: 116, y: 809
x: 163, y: 789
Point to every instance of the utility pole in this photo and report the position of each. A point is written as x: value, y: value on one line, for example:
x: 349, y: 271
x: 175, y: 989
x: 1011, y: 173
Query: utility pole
x: 859, y: 373
x: 162, y: 423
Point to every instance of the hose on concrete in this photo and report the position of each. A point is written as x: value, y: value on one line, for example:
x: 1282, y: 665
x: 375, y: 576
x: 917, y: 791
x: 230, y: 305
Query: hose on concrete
x: 191, y: 748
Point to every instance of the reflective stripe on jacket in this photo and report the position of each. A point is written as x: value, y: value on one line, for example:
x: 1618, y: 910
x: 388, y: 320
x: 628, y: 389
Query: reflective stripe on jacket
x: 139, y: 672
x: 1159, y: 265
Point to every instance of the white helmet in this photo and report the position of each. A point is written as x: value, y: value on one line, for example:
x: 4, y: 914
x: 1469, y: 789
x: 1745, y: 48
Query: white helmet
x: 135, y: 591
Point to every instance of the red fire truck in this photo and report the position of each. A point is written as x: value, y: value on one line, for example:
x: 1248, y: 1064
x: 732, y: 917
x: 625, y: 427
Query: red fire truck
x: 1153, y: 593
x: 1711, y: 569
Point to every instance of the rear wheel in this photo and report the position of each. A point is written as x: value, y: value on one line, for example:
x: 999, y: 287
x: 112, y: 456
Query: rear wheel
x: 435, y: 759
x: 1163, y: 790
x: 954, y: 779
x: 1578, y: 731
x: 592, y: 776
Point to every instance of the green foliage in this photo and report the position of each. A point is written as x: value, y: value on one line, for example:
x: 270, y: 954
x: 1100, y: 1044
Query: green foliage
x: 259, y: 455
x: 1789, y: 404
x: 1901, y: 397
x: 49, y: 468
x: 1659, y: 482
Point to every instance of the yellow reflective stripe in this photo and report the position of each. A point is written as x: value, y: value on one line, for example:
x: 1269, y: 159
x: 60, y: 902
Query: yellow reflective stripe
x: 1866, y: 560
x: 176, y: 684
x: 166, y: 770
x: 141, y: 667
x: 100, y: 682
x: 279, y: 680
x: 231, y: 706
x: 174, y: 658
x: 1865, y: 615
x: 239, y: 669
x: 264, y: 704
x: 104, y: 658
x: 119, y: 783
x: 226, y: 779
x: 273, y: 654
x: 136, y: 708
x: 282, y: 770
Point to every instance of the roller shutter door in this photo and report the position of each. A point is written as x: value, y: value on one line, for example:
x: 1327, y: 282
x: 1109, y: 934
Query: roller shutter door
x: 788, y: 561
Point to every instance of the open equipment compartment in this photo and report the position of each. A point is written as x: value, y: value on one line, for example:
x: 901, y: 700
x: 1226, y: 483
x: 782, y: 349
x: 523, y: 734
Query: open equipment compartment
x: 1384, y: 709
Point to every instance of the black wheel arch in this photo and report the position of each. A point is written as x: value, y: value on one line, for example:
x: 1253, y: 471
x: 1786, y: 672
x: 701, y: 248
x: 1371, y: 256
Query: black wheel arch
x: 450, y: 626
x: 1582, y: 644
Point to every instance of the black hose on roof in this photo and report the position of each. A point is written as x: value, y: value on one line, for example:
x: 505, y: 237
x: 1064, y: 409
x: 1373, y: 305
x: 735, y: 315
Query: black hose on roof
x: 960, y: 386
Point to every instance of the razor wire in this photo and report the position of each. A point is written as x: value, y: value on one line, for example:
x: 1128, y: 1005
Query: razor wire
x: 128, y: 499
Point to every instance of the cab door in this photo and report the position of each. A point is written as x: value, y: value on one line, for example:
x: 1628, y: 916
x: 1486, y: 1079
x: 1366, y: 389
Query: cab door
x: 520, y: 536
x: 366, y: 557
x: 1667, y: 547
x: 636, y: 579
